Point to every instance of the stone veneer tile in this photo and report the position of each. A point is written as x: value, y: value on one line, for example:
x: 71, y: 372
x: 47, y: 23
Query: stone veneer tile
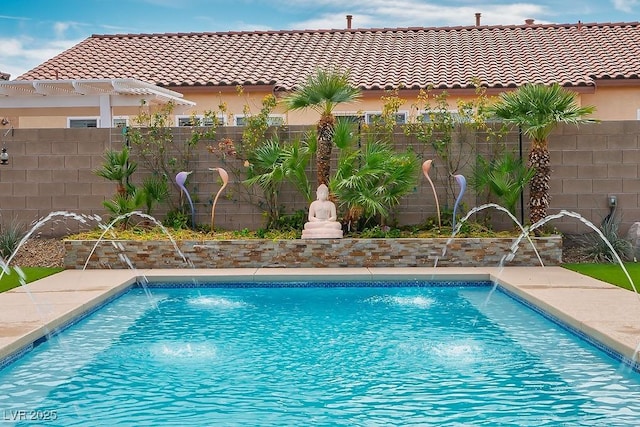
x: 314, y: 253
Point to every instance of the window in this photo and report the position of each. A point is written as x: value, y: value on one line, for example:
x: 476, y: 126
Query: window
x: 199, y: 120
x: 401, y: 117
x: 83, y: 122
x: 370, y: 117
x: 273, y: 120
x: 120, y: 121
x: 454, y: 116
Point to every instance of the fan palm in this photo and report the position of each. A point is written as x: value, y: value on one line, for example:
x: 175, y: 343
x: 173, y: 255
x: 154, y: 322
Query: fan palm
x: 323, y: 91
x: 371, y: 180
x: 505, y: 177
x: 123, y: 204
x: 117, y: 167
x: 155, y: 190
x: 537, y: 110
x: 274, y: 162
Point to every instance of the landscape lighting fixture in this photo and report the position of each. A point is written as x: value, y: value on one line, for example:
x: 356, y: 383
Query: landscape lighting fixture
x: 4, y: 156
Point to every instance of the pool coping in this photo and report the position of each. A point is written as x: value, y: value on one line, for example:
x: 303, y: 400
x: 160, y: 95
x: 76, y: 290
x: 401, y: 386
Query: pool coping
x: 603, y: 313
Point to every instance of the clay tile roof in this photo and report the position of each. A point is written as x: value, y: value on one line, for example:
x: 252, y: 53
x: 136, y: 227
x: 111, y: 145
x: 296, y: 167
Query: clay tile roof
x: 447, y: 57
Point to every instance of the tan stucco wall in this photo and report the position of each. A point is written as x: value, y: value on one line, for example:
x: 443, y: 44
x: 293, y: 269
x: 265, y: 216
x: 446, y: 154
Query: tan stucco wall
x: 611, y: 102
x: 44, y: 118
x: 236, y: 103
x: 614, y: 103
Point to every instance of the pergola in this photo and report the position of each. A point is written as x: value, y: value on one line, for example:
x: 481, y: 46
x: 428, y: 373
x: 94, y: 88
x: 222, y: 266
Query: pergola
x: 102, y: 93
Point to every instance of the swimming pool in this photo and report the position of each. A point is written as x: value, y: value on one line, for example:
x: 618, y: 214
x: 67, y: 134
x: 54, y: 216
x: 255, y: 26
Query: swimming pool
x: 290, y: 354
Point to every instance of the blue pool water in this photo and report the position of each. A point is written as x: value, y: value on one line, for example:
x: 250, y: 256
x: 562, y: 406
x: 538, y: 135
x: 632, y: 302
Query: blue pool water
x: 321, y: 356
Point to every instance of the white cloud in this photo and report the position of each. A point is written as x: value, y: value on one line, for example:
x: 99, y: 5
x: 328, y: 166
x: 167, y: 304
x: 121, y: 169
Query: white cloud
x: 59, y: 28
x: 625, y: 5
x: 413, y: 13
x: 15, y: 18
x: 18, y: 56
x: 10, y: 47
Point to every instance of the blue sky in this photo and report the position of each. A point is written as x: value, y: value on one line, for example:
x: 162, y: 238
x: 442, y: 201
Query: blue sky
x: 32, y: 31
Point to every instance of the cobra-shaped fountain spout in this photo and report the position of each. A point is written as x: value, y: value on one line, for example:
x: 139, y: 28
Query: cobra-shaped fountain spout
x: 462, y: 182
x: 225, y: 179
x: 426, y: 167
x: 181, y: 179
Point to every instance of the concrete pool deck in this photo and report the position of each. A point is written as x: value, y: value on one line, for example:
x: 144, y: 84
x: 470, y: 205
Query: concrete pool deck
x: 606, y: 313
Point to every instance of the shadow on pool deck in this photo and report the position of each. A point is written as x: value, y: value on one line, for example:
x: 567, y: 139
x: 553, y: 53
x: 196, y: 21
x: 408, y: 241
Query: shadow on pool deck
x: 608, y: 314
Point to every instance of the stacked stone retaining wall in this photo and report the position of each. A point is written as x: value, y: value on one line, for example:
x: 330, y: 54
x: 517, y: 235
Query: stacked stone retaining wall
x: 407, y: 252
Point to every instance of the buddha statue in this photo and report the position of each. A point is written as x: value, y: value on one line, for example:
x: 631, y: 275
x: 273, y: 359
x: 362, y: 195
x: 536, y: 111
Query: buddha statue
x: 322, y: 222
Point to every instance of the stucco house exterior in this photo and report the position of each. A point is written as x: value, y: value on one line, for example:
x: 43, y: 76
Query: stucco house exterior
x: 102, y: 81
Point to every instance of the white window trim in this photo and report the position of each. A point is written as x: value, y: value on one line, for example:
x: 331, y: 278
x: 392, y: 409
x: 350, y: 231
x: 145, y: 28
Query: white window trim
x: 282, y: 118
x: 96, y: 118
x: 456, y: 114
x: 366, y: 115
x: 222, y: 119
x: 125, y: 118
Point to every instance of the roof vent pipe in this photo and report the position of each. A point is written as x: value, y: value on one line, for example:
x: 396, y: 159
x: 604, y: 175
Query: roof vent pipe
x: 349, y: 18
x: 478, y: 19
x: 529, y: 21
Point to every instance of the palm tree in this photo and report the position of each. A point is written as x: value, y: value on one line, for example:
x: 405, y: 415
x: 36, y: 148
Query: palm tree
x: 273, y: 163
x: 371, y: 181
x: 118, y: 168
x: 371, y: 177
x: 322, y: 92
x: 504, y: 177
x: 537, y: 110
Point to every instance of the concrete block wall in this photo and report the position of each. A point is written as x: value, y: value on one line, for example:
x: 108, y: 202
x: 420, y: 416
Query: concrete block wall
x: 590, y: 163
x: 52, y: 169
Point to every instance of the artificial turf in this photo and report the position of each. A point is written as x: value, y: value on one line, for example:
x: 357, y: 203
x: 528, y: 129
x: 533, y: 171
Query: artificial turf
x: 610, y: 273
x: 12, y: 280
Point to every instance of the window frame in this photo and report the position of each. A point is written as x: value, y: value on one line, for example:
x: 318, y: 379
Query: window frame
x: 83, y: 118
x: 369, y: 114
x: 366, y: 116
x: 222, y: 120
x: 280, y: 117
x: 125, y: 118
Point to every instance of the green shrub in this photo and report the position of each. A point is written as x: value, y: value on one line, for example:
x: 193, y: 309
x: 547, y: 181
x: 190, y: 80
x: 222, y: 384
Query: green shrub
x: 371, y: 181
x: 176, y: 219
x: 378, y: 232
x: 597, y: 250
x: 505, y: 177
x: 10, y: 236
x: 293, y: 221
x: 155, y: 190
